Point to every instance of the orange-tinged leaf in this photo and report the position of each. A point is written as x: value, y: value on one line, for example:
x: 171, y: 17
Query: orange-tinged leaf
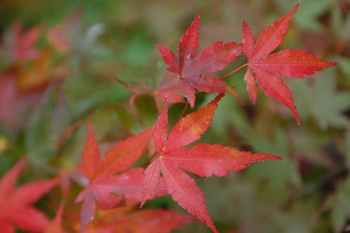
x: 39, y: 74
x: 140, y: 221
x: 153, y: 221
x: 203, y: 160
x: 288, y: 63
x: 124, y: 154
x: 193, y: 69
x: 191, y: 127
x: 55, y: 225
x: 16, y: 209
x: 117, y: 213
x: 91, y: 156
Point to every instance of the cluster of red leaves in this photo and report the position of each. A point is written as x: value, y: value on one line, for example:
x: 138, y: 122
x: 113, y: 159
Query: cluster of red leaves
x: 112, y: 181
x: 164, y: 174
x: 262, y: 68
x: 108, y: 190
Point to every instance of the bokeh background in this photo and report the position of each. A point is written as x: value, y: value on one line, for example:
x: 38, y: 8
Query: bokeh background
x: 59, y: 61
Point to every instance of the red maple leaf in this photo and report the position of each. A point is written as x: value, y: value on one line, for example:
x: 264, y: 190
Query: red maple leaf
x: 194, y: 69
x: 107, y: 190
x: 262, y: 68
x: 16, y: 203
x: 203, y: 160
x: 18, y: 44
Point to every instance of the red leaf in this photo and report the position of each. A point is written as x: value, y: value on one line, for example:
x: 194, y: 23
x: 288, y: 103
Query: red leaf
x: 191, y: 67
x: 55, y: 225
x: 288, y: 63
x: 16, y: 203
x: 203, y: 160
x: 107, y: 190
x: 124, y: 154
x: 91, y: 156
x: 19, y: 44
x: 217, y: 159
x: 184, y: 190
x: 140, y: 221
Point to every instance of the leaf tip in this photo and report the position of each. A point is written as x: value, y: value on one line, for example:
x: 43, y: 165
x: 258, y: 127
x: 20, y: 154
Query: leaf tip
x: 142, y: 204
x: 297, y: 118
x: 230, y: 91
x: 296, y: 7
x: 89, y: 126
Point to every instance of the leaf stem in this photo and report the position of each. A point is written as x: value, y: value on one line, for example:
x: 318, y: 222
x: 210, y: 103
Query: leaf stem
x: 234, y: 71
x: 183, y: 111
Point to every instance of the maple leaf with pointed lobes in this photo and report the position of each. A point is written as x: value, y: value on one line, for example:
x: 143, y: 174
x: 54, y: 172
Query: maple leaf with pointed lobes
x: 107, y: 190
x: 203, y: 160
x: 16, y: 203
x: 18, y: 44
x: 194, y: 69
x: 287, y: 63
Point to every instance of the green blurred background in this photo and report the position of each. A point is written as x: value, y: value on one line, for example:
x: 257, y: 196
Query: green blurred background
x: 58, y: 61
